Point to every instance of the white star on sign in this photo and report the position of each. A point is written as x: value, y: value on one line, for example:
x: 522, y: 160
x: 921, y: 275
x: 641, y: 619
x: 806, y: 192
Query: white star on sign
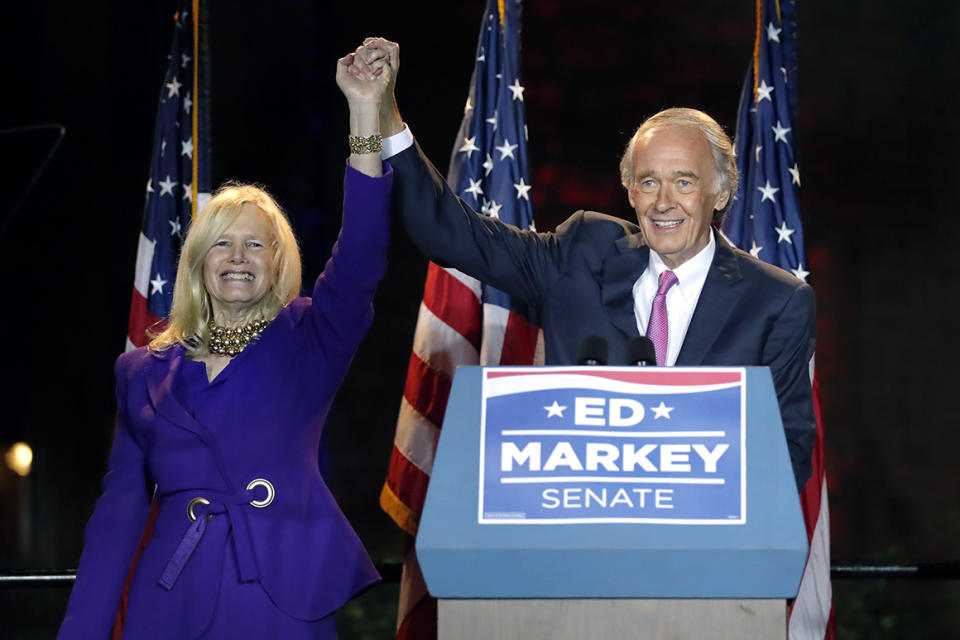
x: 156, y: 285
x: 469, y: 147
x: 187, y: 103
x: 493, y: 120
x: 188, y: 192
x: 763, y: 92
x: 184, y: 59
x: 174, y: 88
x: 174, y: 227
x: 795, y: 172
x: 800, y: 272
x: 779, y: 132
x: 506, y: 150
x: 522, y: 190
x: 773, y: 33
x: 166, y: 186
x: 517, y: 90
x: 755, y: 249
x: 758, y: 150
x: 487, y: 165
x: 186, y: 147
x: 663, y: 411
x: 784, y: 233
x: 555, y: 409
x: 494, y: 209
x: 474, y: 188
x: 768, y: 192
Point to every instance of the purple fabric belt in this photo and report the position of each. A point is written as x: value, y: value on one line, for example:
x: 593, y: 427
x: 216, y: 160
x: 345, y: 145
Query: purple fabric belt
x: 218, y: 504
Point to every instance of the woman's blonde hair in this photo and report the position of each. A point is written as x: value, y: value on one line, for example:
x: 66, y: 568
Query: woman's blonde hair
x: 191, y: 311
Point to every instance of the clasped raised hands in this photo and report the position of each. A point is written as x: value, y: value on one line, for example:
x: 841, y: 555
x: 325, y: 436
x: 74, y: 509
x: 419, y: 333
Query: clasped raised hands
x: 369, y: 74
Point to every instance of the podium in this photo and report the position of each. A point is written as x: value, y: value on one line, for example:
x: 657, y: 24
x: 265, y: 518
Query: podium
x: 608, y: 502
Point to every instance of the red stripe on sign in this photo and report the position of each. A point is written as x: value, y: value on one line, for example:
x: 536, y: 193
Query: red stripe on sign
x: 141, y: 320
x: 660, y: 376
x: 519, y: 341
x: 453, y: 302
x: 407, y: 481
x: 426, y: 390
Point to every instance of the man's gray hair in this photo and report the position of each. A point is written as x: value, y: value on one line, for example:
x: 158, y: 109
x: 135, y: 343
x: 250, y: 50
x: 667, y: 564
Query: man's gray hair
x: 720, y: 147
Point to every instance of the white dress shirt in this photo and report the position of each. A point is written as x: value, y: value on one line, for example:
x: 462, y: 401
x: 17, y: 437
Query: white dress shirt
x: 681, y: 298
x: 396, y: 143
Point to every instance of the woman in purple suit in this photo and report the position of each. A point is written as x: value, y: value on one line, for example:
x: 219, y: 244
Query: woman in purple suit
x: 220, y: 419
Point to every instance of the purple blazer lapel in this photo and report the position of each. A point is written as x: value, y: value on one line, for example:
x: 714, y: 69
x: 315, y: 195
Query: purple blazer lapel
x: 620, y: 271
x: 159, y: 388
x: 720, y: 295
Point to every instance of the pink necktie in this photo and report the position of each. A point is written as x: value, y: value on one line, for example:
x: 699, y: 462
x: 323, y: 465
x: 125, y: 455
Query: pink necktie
x: 657, y: 329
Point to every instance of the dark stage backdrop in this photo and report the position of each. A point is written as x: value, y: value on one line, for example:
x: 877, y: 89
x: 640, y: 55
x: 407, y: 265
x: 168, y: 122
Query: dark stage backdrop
x: 878, y: 138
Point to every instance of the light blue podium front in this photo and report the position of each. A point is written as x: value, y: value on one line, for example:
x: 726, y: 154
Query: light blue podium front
x: 760, y: 555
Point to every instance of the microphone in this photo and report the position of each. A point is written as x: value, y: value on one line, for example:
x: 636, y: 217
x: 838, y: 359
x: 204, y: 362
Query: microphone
x: 640, y: 352
x: 593, y: 351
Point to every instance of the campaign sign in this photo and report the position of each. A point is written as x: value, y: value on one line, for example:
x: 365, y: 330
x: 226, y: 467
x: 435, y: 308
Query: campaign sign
x: 585, y: 444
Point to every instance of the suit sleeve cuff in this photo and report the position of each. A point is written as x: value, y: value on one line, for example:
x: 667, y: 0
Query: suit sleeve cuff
x: 397, y: 142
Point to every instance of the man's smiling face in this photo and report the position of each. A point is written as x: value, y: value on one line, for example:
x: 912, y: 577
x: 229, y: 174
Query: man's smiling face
x: 673, y: 192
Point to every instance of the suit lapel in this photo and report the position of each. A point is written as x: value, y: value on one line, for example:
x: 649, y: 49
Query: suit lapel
x: 160, y: 389
x: 620, y: 271
x: 720, y: 295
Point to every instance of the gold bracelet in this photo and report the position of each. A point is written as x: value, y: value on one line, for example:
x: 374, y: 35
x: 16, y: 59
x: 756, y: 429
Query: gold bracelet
x: 366, y: 144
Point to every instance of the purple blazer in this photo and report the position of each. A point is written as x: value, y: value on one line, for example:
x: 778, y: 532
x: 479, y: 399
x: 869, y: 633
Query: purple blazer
x: 261, y: 418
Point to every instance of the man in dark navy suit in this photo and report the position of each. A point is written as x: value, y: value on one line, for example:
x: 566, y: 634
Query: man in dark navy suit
x: 671, y: 276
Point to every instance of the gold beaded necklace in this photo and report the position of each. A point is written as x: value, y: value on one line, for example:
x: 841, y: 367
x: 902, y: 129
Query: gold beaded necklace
x: 225, y: 341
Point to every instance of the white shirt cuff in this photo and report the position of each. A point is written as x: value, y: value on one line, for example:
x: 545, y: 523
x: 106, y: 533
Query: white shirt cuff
x: 396, y: 143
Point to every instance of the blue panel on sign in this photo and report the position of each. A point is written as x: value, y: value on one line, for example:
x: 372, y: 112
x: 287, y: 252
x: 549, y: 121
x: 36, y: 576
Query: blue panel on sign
x: 613, y: 445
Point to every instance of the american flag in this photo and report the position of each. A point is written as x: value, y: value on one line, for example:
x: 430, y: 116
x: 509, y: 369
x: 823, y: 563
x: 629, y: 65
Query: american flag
x: 461, y: 321
x: 178, y: 186
x: 765, y: 220
x: 179, y: 182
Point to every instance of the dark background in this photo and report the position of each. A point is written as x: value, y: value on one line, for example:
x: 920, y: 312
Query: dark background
x: 878, y: 139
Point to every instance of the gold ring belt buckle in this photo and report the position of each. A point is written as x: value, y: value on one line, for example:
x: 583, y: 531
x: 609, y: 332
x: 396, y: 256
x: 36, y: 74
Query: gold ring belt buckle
x: 192, y: 504
x: 271, y: 492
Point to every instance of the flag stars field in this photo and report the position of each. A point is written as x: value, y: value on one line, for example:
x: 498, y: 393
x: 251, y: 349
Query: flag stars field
x: 166, y: 186
x: 522, y: 190
x: 800, y: 272
x: 784, y: 233
x: 156, y: 285
x: 506, y: 149
x: 795, y: 174
x: 487, y: 165
x: 469, y: 146
x: 780, y: 132
x: 764, y: 91
x: 773, y: 34
x: 474, y: 189
x: 768, y: 192
x: 517, y: 90
x: 174, y: 87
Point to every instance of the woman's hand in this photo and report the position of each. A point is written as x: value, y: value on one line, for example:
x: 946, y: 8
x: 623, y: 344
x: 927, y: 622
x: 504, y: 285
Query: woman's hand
x: 363, y: 83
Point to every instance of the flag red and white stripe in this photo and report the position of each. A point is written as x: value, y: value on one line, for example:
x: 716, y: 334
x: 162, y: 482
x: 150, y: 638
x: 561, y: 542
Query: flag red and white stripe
x: 461, y: 321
